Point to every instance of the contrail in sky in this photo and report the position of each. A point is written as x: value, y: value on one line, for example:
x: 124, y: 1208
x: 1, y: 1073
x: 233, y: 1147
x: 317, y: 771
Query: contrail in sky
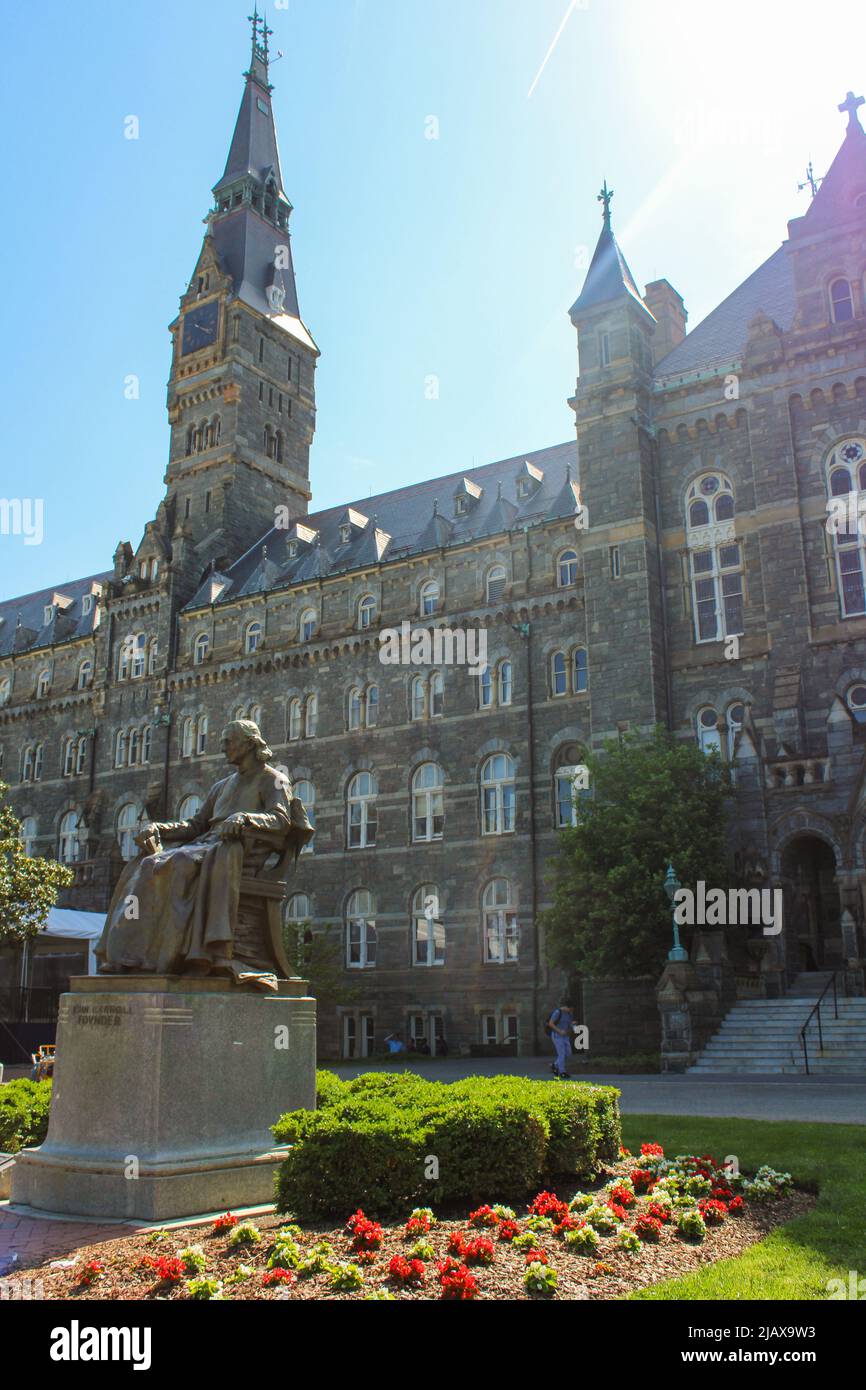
x: 565, y: 19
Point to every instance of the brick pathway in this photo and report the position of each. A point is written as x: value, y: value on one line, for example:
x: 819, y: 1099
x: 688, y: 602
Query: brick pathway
x: 35, y: 1242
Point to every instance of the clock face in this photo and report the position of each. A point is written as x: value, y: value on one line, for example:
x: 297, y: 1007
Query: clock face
x: 200, y: 326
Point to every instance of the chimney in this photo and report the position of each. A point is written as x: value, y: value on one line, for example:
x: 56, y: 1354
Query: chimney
x: 669, y: 311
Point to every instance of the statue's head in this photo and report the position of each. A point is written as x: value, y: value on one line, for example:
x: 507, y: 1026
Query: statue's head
x: 243, y: 736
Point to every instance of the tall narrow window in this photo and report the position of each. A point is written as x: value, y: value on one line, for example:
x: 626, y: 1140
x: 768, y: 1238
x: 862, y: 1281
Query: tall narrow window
x: 200, y: 649
x: 362, y: 816
x: 841, y: 301
x: 496, y: 581
x: 604, y: 349
x: 505, y: 682
x: 613, y: 556
x: 252, y: 638
x: 371, y: 706
x: 709, y: 737
x: 846, y: 469
x: 69, y: 842
x: 294, y: 719
x: 201, y: 735
x: 187, y: 742
x: 127, y: 825
x: 437, y: 695
x: 566, y: 569
x: 501, y: 934
x: 419, y: 697
x: 497, y: 795
x: 366, y: 612
x: 311, y: 716
x: 429, y: 597
x: 578, y: 670
x: 715, y: 559
x: 485, y: 688
x: 308, y: 624
x: 558, y: 674
x: 361, y: 936
x: 428, y: 932
x: 428, y: 803
x: 306, y: 792
x: 355, y: 709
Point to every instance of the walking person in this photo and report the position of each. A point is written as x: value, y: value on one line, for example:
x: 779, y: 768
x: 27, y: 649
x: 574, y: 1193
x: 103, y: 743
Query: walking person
x: 558, y: 1029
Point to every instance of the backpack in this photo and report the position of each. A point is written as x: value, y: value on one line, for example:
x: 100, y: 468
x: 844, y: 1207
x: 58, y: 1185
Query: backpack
x: 556, y: 1016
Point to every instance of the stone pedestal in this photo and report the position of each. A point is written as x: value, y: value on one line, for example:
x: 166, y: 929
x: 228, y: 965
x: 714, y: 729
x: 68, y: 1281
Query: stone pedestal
x: 165, y: 1088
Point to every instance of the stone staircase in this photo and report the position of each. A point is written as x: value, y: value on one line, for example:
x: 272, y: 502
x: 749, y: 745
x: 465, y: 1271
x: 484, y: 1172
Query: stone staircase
x: 763, y: 1035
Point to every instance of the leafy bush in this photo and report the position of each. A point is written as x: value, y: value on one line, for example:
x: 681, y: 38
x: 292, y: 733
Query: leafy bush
x: 24, y: 1107
x: 370, y: 1141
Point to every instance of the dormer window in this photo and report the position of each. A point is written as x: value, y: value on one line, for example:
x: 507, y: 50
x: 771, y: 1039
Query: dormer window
x: 293, y: 550
x: 86, y: 604
x: 460, y: 505
x: 48, y: 613
x: 345, y: 533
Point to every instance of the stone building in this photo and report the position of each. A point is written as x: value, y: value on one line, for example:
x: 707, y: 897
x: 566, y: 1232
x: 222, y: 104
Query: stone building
x: 674, y: 564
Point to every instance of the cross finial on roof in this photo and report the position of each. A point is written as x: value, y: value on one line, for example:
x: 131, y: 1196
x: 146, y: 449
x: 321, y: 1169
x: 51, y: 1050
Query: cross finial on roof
x: 605, y: 197
x: 850, y: 105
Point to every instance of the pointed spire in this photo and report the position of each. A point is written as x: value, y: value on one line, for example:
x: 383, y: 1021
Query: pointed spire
x: 608, y: 277
x: 837, y: 199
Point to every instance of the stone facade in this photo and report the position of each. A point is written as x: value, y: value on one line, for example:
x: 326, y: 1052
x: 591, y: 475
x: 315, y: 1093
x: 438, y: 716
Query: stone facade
x: 705, y: 592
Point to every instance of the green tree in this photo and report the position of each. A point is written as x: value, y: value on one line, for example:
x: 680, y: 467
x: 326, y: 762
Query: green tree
x: 28, y: 887
x: 318, y: 957
x: 654, y: 799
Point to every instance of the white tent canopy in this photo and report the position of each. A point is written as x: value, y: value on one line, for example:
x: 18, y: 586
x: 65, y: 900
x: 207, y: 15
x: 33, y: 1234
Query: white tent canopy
x: 67, y: 921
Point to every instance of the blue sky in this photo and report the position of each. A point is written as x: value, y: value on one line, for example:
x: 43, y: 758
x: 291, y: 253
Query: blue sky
x: 456, y: 257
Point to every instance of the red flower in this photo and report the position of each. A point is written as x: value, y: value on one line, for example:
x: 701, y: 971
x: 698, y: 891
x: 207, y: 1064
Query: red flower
x: 365, y: 1257
x: 648, y: 1228
x: 622, y: 1195
x: 536, y: 1257
x: 623, y: 1152
x: 224, y: 1223
x: 508, y: 1230
x: 483, y: 1216
x: 548, y: 1204
x: 652, y: 1150
x: 618, y: 1211
x: 168, y: 1270
x: 406, y: 1271
x: 568, y: 1223
x: 456, y: 1281
x: 712, y: 1211
x: 90, y: 1272
x: 642, y: 1179
x: 366, y: 1234
x: 478, y: 1251
x: 658, y: 1211
x: 277, y: 1276
x: 417, y: 1226
x: 736, y: 1206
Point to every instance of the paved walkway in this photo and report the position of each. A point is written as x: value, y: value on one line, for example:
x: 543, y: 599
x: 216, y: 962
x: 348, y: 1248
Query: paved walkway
x: 27, y: 1242
x: 814, y: 1099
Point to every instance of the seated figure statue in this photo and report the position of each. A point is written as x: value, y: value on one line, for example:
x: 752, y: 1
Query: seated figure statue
x: 179, y: 907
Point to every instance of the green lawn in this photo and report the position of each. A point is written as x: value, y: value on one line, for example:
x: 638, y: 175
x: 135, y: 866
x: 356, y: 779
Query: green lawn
x: 797, y: 1260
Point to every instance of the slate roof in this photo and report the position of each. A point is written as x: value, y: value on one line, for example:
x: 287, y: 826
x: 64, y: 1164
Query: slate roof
x: 721, y: 336
x: 30, y: 609
x: 402, y: 523
x: 608, y: 277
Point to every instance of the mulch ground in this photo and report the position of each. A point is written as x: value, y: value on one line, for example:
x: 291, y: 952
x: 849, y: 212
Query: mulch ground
x: 609, y: 1274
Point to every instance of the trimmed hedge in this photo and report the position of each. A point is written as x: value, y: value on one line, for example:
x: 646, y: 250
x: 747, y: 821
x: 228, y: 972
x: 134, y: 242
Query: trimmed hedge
x: 373, y: 1141
x: 24, y: 1107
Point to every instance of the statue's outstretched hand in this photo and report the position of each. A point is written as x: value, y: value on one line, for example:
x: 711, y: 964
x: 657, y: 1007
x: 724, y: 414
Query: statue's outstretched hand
x: 148, y: 839
x: 232, y: 827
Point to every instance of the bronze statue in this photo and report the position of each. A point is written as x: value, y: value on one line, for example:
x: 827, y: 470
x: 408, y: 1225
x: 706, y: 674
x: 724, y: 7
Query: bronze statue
x: 205, y: 894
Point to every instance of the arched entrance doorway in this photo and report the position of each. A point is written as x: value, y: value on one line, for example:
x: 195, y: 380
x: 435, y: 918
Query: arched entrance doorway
x: 811, y: 905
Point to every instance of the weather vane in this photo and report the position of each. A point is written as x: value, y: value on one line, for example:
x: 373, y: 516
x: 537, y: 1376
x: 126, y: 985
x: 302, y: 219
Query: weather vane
x: 810, y: 181
x: 604, y: 197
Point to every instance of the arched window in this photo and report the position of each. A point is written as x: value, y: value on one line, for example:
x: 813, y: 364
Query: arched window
x: 566, y: 569
x: 571, y: 786
x: 133, y: 747
x: 68, y: 757
x: 27, y: 764
x: 127, y: 826
x: 294, y: 719
x: 428, y: 596
x: 361, y: 937
x: 85, y: 674
x: 715, y: 559
x: 496, y: 581
x: 5, y: 690
x: 27, y: 836
x: 362, y: 817
x: 138, y: 651
x: 709, y: 737
x: 505, y: 682
x: 371, y: 706
x: 578, y: 670
x: 437, y: 695
x: 428, y: 932
x: 841, y: 301
x: 201, y: 734
x: 120, y: 748
x: 497, y: 795
x: 428, y: 803
x: 485, y: 688
x: 187, y: 742
x: 355, y: 703
x: 367, y: 611
x: 307, y: 625
x: 311, y: 716
x: 734, y: 716
x: 190, y: 806
x: 306, y: 793
x: 855, y: 699
x: 200, y: 648
x: 846, y: 473
x: 419, y: 697
x: 254, y: 714
x: 81, y: 755
x: 558, y: 674
x: 69, y: 842
x: 299, y: 908
x: 152, y: 654
x: 501, y: 932
x: 43, y: 683
x: 38, y: 756
x: 146, y: 739
x: 252, y: 638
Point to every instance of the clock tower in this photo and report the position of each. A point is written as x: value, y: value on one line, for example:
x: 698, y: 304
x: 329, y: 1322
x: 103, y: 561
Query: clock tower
x: 241, y: 395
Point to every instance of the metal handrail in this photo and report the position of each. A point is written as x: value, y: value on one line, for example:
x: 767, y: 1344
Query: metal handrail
x: 816, y: 1009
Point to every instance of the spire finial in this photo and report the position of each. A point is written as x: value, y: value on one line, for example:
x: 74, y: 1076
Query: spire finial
x: 435, y: 506
x: 260, y: 36
x: 850, y: 105
x: 605, y: 197
x: 810, y: 181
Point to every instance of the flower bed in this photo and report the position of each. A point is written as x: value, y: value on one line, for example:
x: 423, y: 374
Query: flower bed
x: 595, y: 1242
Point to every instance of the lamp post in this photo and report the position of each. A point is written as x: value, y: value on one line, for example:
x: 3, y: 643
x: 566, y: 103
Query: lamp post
x: 677, y: 952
